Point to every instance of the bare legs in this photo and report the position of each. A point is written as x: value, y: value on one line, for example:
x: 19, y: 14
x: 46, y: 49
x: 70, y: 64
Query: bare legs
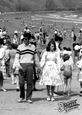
x: 67, y: 86
x: 48, y: 92
x: 15, y: 79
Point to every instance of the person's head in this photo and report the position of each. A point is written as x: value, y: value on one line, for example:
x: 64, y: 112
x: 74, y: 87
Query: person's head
x: 69, y: 49
x: 51, y: 46
x: 58, y: 39
x: 27, y: 37
x: 66, y: 57
x: 32, y: 38
x: 1, y: 41
x: 8, y: 44
x: 14, y: 46
x: 6, y: 39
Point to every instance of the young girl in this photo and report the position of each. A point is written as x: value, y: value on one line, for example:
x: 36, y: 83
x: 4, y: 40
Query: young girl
x: 50, y: 70
x: 16, y: 75
x: 67, y: 73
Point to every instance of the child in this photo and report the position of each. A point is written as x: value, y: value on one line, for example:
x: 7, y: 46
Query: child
x: 67, y: 73
x: 16, y: 74
x: 12, y: 54
x: 79, y: 76
x: 76, y: 48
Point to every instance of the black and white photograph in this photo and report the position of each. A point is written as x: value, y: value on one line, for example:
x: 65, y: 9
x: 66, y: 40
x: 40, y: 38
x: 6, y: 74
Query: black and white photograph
x: 40, y: 57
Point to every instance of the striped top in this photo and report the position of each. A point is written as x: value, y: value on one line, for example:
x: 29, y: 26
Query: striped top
x: 26, y: 54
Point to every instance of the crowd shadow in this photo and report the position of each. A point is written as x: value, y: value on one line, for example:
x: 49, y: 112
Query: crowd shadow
x: 42, y: 89
x: 60, y: 96
x: 73, y: 93
x: 38, y: 99
x: 64, y: 96
x: 14, y: 89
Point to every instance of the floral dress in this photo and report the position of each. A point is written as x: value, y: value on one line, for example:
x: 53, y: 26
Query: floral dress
x: 50, y: 69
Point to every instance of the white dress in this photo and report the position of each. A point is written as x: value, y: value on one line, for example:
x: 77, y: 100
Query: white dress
x: 51, y: 69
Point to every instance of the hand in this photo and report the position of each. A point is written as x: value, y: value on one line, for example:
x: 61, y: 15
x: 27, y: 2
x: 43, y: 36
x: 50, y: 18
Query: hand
x: 39, y: 71
x: 20, y: 67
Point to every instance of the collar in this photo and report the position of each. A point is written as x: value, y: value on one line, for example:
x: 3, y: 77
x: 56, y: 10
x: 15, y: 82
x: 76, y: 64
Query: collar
x: 29, y: 45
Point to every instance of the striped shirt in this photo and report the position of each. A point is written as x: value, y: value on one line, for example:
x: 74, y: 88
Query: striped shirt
x: 26, y: 54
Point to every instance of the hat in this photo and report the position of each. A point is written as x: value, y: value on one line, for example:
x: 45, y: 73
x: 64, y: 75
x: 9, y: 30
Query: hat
x: 77, y: 47
x: 15, y: 32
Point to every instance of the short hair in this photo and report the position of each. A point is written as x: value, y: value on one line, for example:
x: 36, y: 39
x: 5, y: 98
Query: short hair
x: 58, y: 38
x: 64, y: 48
x: 66, y: 57
x: 69, y: 49
x: 27, y: 35
x: 1, y: 41
x: 51, y: 42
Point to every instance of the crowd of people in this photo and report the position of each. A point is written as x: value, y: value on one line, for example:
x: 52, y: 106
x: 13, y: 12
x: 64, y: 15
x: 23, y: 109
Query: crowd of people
x: 21, y: 59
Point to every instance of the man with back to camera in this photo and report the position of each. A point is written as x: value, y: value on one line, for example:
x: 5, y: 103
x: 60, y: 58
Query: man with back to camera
x: 25, y: 57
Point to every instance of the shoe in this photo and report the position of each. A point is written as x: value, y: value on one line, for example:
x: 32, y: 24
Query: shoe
x: 48, y: 98
x: 13, y: 83
x: 55, y: 95
x: 29, y: 101
x: 5, y: 78
x: 4, y: 90
x: 52, y: 99
x: 20, y: 100
x: 17, y: 90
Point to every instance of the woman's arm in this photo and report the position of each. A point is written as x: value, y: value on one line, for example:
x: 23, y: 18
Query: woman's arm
x: 43, y: 60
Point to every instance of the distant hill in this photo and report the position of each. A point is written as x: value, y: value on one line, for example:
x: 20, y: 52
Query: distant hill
x: 32, y: 5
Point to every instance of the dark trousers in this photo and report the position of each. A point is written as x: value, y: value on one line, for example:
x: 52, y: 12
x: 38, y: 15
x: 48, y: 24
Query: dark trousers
x: 7, y: 64
x: 1, y: 78
x: 26, y: 74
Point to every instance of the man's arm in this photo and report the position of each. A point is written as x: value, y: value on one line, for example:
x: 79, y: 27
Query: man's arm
x: 17, y: 58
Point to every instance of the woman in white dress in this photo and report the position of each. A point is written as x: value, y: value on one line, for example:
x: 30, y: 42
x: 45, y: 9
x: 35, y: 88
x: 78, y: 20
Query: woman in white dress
x: 50, y: 69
